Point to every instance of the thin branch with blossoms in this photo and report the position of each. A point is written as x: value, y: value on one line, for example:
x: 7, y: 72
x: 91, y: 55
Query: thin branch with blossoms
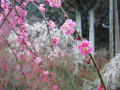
x: 17, y: 58
x: 34, y: 53
x: 10, y: 47
x: 15, y: 2
x: 21, y: 32
x: 9, y: 43
x: 91, y: 57
x: 28, y: 36
x: 6, y: 17
x: 45, y: 23
x: 17, y: 35
x: 14, y: 56
x: 18, y: 16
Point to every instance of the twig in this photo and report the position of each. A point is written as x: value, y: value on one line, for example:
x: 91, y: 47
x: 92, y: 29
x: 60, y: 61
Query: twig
x: 14, y: 56
x: 45, y: 23
x: 6, y: 17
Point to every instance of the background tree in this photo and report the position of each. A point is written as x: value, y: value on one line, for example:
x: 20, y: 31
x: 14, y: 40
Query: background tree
x: 111, y: 37
x: 117, y: 29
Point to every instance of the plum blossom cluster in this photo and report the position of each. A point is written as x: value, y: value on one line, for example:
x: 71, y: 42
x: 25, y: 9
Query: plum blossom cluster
x: 28, y: 61
x: 22, y: 39
x: 6, y: 7
x: 38, y: 60
x: 55, y: 41
x: 54, y: 3
x: 85, y: 47
x: 42, y: 8
x: 100, y: 87
x: 51, y: 25
x: 68, y: 27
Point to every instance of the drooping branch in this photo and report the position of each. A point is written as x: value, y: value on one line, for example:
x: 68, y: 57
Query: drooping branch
x: 45, y: 23
x: 91, y: 57
x: 6, y: 17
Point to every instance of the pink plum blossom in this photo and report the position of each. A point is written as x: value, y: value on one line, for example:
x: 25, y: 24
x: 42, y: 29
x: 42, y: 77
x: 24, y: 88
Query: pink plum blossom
x: 24, y: 4
x: 55, y: 87
x: 19, y: 56
x: 45, y: 72
x: 12, y: 24
x: 51, y: 24
x: 85, y: 47
x: 18, y: 67
x: 68, y: 27
x: 55, y: 41
x: 42, y: 8
x: 29, y: 53
x: 0, y: 33
x: 29, y: 1
x: 38, y: 60
x: 54, y: 3
x: 100, y: 87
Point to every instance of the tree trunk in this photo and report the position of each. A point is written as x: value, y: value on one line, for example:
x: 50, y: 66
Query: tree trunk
x: 111, y: 36
x: 91, y: 28
x: 117, y: 30
x: 79, y: 21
